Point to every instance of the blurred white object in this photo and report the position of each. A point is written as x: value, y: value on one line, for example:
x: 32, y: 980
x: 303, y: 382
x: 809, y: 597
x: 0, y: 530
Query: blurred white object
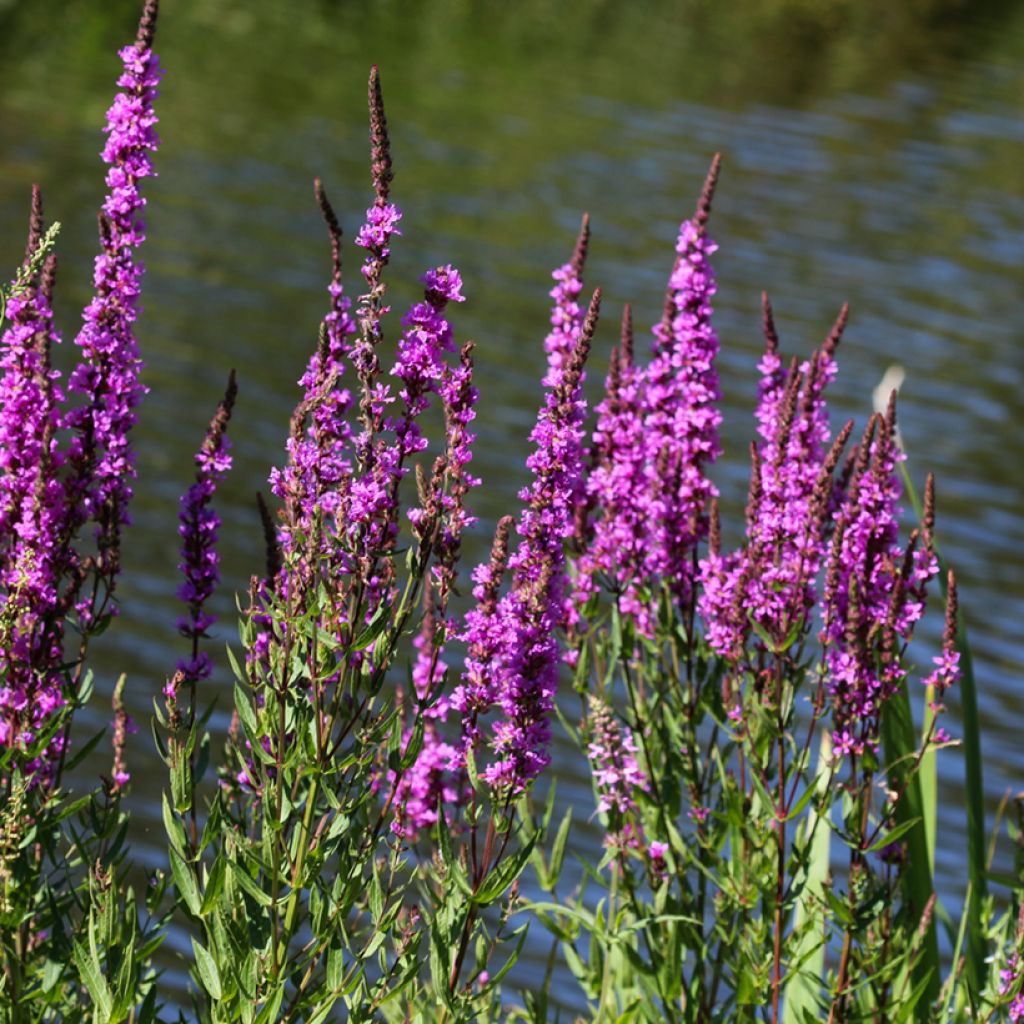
x: 892, y: 380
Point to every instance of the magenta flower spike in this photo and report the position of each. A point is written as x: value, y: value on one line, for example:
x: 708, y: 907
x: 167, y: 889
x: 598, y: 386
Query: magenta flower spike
x: 32, y: 514
x: 320, y: 454
x: 107, y: 375
x: 527, y: 668
x: 566, y: 314
x: 681, y: 415
x: 198, y: 525
x: 770, y: 582
x: 874, y: 591
x: 616, y: 487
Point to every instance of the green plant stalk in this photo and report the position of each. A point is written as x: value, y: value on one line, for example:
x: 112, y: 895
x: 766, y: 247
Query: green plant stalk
x: 900, y: 741
x: 292, y: 909
x: 973, y: 783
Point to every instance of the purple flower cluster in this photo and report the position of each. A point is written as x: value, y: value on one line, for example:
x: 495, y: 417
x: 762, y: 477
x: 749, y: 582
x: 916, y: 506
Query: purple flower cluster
x: 526, y: 666
x: 347, y: 458
x: 319, y: 453
x: 770, y: 581
x: 566, y: 314
x: 483, y: 633
x: 32, y: 513
x: 617, y: 487
x: 612, y: 752
x: 874, y: 591
x: 657, y: 433
x: 1010, y: 984
x: 47, y: 492
x: 107, y: 375
x: 198, y: 525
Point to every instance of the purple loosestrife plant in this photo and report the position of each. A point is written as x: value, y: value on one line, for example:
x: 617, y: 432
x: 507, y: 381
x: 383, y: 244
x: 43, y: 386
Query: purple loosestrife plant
x: 874, y: 591
x: 50, y: 490
x: 746, y: 715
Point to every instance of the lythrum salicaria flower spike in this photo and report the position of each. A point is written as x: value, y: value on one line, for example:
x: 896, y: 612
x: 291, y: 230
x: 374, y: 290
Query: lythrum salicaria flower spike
x: 612, y: 752
x: 626, y: 337
x: 715, y: 530
x: 198, y: 525
x: 482, y: 633
x: 49, y: 278
x: 333, y: 227
x: 33, y: 513
x: 527, y: 660
x: 566, y: 314
x: 107, y: 375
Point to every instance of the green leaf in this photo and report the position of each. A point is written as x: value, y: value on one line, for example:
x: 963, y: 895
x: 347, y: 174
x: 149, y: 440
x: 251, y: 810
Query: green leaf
x: 245, y: 712
x: 206, y: 967
x: 245, y: 880
x: 214, y: 886
x: 185, y: 882
x: 558, y: 851
x: 173, y: 826
x: 268, y: 1015
x: 900, y: 740
x: 91, y: 973
x: 892, y: 835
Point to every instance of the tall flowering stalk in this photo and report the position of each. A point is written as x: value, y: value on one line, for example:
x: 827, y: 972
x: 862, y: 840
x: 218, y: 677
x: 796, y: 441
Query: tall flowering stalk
x: 874, y: 591
x: 530, y: 612
x: 615, y: 547
x: 198, y: 523
x: 48, y: 493
x: 656, y: 436
x: 770, y: 583
x: 320, y: 457
x: 681, y: 416
x: 32, y: 510
x: 107, y: 375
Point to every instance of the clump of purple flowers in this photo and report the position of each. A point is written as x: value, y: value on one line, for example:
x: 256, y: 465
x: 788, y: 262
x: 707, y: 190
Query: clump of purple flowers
x: 656, y: 435
x: 65, y: 463
x: 107, y: 375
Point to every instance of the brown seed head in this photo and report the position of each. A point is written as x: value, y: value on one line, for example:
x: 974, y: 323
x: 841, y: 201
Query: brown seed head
x: 771, y: 336
x: 380, y: 144
x: 707, y: 193
x: 832, y: 341
x: 147, y: 25
x: 579, y: 255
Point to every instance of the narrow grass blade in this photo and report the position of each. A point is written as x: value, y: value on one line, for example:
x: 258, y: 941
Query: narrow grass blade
x: 973, y: 783
x: 802, y: 988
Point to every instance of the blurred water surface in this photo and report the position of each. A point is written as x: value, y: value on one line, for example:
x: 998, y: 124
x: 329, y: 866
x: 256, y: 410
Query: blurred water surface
x: 873, y: 152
